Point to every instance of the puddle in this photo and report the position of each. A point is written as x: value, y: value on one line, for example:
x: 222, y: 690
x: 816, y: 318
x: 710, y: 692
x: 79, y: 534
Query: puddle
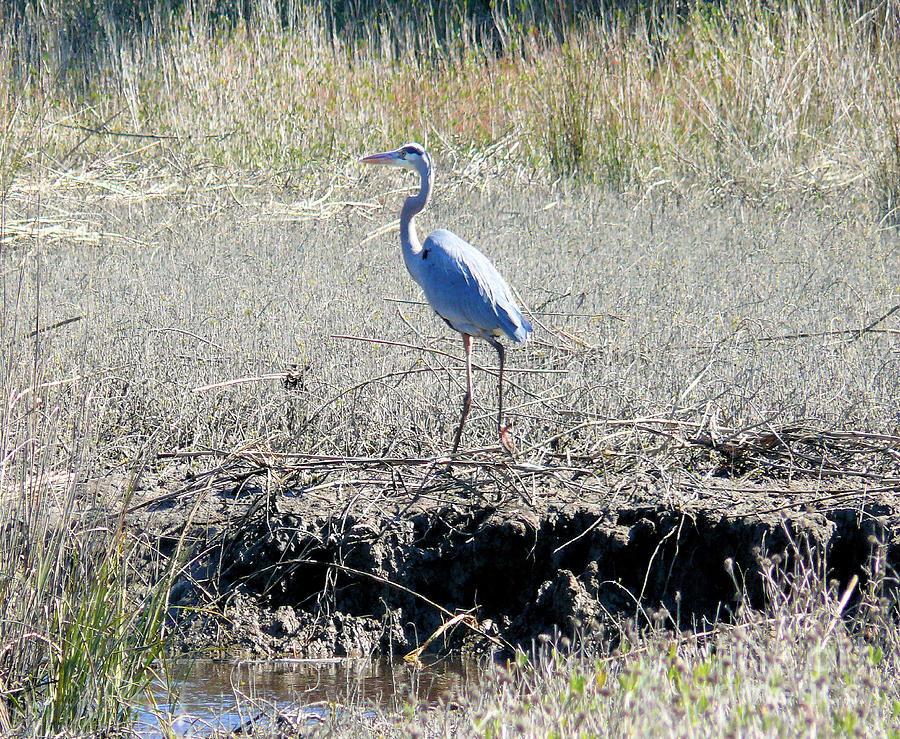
x: 220, y: 696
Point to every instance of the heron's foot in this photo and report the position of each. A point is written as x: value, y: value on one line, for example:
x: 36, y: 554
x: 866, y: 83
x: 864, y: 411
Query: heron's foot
x: 447, y: 470
x: 506, y: 440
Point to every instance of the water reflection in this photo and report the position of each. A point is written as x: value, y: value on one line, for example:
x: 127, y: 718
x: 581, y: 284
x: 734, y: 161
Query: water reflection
x: 220, y: 696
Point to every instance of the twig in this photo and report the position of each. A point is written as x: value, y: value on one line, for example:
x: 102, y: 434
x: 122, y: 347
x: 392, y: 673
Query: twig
x: 400, y: 344
x: 317, y: 461
x: 878, y: 320
x: 855, y: 332
x: 184, y: 332
x: 52, y: 326
x: 458, y: 360
x: 155, y: 136
x: 558, y: 314
x: 832, y: 495
x: 241, y: 381
x: 469, y: 620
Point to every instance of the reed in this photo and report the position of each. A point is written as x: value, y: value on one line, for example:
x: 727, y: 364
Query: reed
x: 82, y: 601
x: 742, y: 96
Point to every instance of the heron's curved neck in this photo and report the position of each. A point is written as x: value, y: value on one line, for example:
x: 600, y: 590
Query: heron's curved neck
x: 414, y: 205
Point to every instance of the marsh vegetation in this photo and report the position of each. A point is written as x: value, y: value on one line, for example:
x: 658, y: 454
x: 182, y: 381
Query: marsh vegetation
x: 697, y: 207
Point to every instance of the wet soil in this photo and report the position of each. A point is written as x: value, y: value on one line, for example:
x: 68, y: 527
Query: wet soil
x: 371, y: 557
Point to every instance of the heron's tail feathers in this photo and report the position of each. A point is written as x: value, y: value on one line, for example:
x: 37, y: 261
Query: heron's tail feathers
x: 523, y: 331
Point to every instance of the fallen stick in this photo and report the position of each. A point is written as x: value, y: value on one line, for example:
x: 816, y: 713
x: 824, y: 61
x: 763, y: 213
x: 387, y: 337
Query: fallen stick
x: 241, y: 381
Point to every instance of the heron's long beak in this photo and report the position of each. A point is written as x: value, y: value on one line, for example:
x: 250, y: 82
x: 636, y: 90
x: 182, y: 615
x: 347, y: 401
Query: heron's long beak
x: 387, y: 157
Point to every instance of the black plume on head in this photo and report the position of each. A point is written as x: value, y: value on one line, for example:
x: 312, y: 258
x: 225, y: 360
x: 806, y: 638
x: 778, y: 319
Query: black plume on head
x: 413, y: 149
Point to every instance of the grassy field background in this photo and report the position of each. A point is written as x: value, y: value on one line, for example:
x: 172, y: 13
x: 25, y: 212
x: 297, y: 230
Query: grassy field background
x: 741, y: 311
x: 698, y: 209
x: 734, y: 96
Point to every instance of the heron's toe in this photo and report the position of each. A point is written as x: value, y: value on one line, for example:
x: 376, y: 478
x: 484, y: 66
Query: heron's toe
x: 506, y: 440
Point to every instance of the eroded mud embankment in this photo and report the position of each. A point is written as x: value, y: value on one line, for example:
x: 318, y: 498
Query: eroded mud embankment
x: 363, y: 579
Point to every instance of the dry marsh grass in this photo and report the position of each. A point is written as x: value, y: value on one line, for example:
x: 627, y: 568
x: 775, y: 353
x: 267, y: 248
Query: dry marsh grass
x: 746, y: 314
x: 787, y: 672
x: 738, y: 96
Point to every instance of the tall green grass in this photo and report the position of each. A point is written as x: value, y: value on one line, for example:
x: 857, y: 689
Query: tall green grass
x: 82, y: 602
x: 81, y: 632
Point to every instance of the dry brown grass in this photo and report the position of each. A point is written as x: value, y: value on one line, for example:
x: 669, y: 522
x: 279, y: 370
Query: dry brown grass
x: 740, y: 97
x: 736, y: 315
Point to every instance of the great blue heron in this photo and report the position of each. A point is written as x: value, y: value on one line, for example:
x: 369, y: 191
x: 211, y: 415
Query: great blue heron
x: 459, y: 282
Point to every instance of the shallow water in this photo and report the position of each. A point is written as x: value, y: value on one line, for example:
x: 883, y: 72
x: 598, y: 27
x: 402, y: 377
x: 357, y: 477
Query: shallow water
x: 213, y: 695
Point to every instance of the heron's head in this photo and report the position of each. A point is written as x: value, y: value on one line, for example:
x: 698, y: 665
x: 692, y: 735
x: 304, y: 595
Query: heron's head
x: 411, y: 156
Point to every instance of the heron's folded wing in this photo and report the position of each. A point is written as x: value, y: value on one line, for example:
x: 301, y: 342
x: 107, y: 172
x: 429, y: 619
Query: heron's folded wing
x: 464, y: 288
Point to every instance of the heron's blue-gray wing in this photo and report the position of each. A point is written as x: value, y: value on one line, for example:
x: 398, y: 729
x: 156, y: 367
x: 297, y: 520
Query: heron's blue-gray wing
x: 466, y: 290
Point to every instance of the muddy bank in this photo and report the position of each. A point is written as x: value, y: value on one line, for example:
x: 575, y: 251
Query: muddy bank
x: 372, y: 557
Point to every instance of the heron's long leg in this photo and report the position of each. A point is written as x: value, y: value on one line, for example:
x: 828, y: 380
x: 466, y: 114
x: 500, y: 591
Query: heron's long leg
x: 501, y: 353
x: 503, y: 431
x: 467, y: 400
